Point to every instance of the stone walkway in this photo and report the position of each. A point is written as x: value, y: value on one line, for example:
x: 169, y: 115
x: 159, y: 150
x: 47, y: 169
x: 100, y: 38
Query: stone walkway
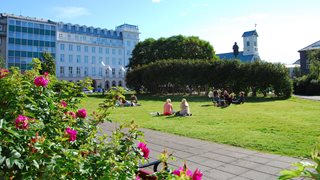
x: 315, y: 98
x: 216, y: 161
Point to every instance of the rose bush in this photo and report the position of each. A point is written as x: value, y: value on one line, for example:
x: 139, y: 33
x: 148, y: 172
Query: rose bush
x: 42, y: 137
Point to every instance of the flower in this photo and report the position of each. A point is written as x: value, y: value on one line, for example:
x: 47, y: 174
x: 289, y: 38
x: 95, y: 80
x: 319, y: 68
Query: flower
x: 41, y: 81
x: 181, y: 171
x: 145, y: 150
x: 46, y: 74
x: 72, y: 114
x: 63, y: 103
x: 72, y: 134
x: 82, y: 113
x: 22, y: 122
x: 3, y: 73
x: 197, y: 175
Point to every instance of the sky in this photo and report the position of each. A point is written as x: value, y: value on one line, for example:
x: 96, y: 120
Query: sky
x: 283, y: 26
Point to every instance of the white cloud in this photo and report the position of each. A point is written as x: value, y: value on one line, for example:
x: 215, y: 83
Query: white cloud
x: 156, y: 1
x: 70, y: 12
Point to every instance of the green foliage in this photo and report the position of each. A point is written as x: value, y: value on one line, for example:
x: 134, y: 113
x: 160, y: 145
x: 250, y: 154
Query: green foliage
x: 2, y: 62
x: 48, y: 64
x: 175, y: 47
x: 314, y: 58
x: 175, y: 75
x: 305, y: 169
x: 307, y: 85
x: 39, y: 144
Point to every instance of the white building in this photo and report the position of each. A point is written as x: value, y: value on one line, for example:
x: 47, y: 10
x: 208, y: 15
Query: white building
x: 94, y: 52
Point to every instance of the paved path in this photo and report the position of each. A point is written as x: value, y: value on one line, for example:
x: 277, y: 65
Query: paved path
x: 315, y: 98
x: 216, y: 161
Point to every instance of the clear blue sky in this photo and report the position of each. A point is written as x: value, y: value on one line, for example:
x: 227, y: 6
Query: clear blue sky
x: 284, y: 26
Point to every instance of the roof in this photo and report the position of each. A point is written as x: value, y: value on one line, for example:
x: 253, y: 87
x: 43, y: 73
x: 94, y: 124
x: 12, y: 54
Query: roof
x: 241, y: 57
x: 250, y: 33
x: 315, y: 45
x: 297, y: 62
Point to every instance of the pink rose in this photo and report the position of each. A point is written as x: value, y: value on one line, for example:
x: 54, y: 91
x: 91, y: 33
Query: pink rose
x: 3, y: 73
x: 197, y: 175
x: 145, y: 150
x: 22, y: 122
x: 180, y: 170
x: 46, y: 74
x: 72, y: 114
x: 82, y: 113
x: 72, y: 134
x: 41, y: 81
x: 63, y: 103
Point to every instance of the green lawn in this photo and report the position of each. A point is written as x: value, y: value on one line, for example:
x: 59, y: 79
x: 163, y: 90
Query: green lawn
x: 287, y: 127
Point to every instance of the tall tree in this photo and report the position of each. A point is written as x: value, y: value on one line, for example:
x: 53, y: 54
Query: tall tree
x: 314, y: 59
x: 48, y: 64
x: 174, y: 47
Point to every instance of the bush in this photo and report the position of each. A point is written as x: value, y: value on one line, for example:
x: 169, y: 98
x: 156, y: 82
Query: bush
x: 45, y: 135
x: 306, y: 85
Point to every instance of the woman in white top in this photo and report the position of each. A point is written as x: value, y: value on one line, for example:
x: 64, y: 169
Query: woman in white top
x: 184, y: 108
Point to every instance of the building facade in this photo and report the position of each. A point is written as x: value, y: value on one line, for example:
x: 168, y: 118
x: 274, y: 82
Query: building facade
x: 250, y: 51
x: 24, y: 38
x: 79, y: 51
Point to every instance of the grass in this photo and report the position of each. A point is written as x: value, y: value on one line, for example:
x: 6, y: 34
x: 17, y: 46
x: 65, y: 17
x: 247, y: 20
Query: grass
x: 287, y: 127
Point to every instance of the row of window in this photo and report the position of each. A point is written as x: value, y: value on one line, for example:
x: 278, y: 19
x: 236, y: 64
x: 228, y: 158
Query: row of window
x: 21, y: 66
x: 26, y: 54
x: 31, y: 42
x: 31, y: 30
x: 85, y: 71
x: 89, y: 39
x: 31, y: 24
x: 20, y: 35
x: 93, y: 59
x: 93, y: 49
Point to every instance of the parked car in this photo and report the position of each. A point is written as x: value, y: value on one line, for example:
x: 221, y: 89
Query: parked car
x: 87, y: 91
x: 98, y: 90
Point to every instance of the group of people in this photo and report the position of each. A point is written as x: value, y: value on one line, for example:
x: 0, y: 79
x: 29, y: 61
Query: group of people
x: 184, y: 108
x: 225, y: 99
x: 122, y: 102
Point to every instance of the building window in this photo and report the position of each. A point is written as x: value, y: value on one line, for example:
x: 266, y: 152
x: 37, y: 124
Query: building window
x: 100, y: 50
x: 113, y: 72
x: 255, y: 43
x: 61, y: 57
x: 70, y: 70
x: 100, y: 71
x: 78, y: 59
x: 86, y: 59
x: 78, y: 71
x: 78, y: 48
x: 93, y: 71
x: 0, y: 27
x: 114, y: 61
x: 248, y: 43
x: 107, y: 72
x: 120, y: 61
x: 107, y: 60
x: 100, y: 61
x: 93, y: 49
x: 120, y: 51
x: 107, y: 50
x: 60, y: 35
x: 113, y: 51
x: 86, y: 71
x: 93, y: 60
x: 70, y: 58
x: 61, y: 70
x: 120, y: 73
x: 61, y: 46
x: 86, y: 49
x: 0, y: 41
x: 70, y: 47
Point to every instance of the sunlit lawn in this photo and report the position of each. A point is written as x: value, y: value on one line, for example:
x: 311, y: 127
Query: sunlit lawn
x: 287, y: 127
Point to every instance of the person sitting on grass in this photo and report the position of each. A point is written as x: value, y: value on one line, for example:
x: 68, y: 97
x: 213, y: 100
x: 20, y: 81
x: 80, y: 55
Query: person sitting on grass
x: 184, y: 108
x: 240, y: 100
x: 167, y: 108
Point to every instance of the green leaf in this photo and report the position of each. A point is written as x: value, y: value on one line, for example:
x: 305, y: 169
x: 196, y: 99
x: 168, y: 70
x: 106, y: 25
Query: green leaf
x: 10, y: 162
x: 2, y: 158
x: 19, y: 163
x: 35, y: 163
x: 1, y: 122
x: 15, y: 154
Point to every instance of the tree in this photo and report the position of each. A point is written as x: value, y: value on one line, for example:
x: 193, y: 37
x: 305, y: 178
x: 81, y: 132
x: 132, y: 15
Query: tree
x: 314, y: 59
x: 174, y: 47
x: 48, y: 63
